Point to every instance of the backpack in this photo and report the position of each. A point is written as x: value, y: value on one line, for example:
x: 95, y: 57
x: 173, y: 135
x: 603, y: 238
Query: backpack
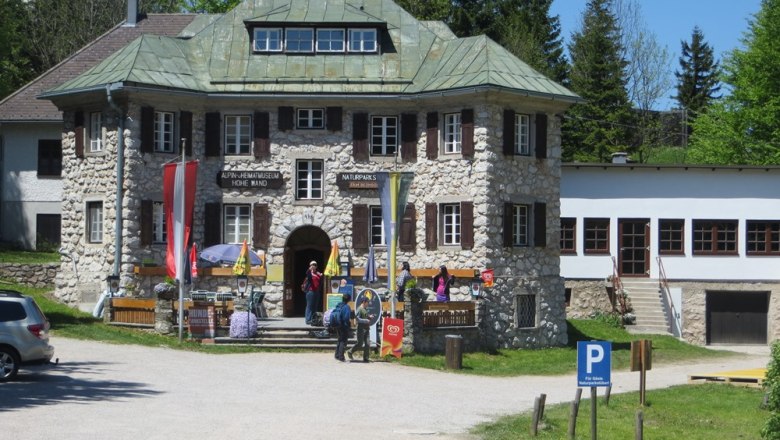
x: 335, y: 316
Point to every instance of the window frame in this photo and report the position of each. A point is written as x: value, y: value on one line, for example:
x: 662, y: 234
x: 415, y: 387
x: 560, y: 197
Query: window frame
x: 241, y: 130
x: 522, y: 141
x: 94, y: 221
x: 95, y: 132
x: 376, y: 223
x: 450, y: 217
x: 384, y: 136
x: 358, y: 45
x: 453, y: 133
x: 666, y: 228
x: 771, y: 237
x: 268, y: 39
x: 596, y: 236
x: 298, y: 40
x: 532, y: 308
x: 568, y: 234
x: 310, y: 118
x: 168, y: 129
x: 330, y: 40
x: 241, y: 224
x: 314, y: 184
x: 520, y: 228
x: 159, y: 224
x: 712, y: 228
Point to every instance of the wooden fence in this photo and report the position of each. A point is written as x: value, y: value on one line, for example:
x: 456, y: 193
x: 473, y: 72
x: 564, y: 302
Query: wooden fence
x: 140, y: 311
x: 449, y: 314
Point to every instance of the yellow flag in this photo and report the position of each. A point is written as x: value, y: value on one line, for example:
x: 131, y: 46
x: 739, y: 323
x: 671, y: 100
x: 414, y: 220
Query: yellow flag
x: 242, y: 266
x: 332, y: 269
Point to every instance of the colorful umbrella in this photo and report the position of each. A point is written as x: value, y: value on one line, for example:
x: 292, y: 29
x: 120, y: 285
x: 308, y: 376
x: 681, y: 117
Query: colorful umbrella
x: 370, y: 274
x: 332, y: 269
x: 227, y: 254
x: 242, y: 266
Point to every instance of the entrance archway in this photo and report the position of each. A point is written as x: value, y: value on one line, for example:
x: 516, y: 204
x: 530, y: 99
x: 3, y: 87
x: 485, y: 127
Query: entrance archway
x: 303, y: 245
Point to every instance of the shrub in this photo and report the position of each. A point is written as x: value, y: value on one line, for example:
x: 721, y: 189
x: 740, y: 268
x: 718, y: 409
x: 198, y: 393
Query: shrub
x: 242, y: 326
x: 612, y: 319
x: 771, y: 429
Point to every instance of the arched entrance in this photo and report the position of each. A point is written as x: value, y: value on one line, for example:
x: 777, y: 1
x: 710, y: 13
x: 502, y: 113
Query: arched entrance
x: 303, y: 245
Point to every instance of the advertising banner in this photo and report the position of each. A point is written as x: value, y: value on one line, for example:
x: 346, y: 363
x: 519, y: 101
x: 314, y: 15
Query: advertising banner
x: 202, y: 319
x: 392, y: 337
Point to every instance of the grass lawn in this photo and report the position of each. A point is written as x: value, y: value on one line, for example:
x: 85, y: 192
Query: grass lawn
x: 20, y: 256
x: 690, y: 412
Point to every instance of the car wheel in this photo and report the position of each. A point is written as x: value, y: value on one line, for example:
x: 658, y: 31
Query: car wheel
x: 9, y: 364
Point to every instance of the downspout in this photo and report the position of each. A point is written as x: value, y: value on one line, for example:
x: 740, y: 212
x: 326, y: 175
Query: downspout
x: 120, y: 178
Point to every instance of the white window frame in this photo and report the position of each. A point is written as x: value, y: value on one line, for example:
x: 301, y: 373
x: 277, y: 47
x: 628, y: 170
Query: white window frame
x: 237, y: 219
x: 298, y: 39
x: 376, y: 226
x: 451, y: 223
x: 362, y: 40
x: 95, y: 132
x: 159, y: 223
x: 309, y: 178
x: 384, y: 135
x: 164, y: 133
x: 310, y: 118
x: 522, y: 134
x: 238, y: 135
x: 452, y: 133
x: 94, y: 221
x: 327, y: 39
x: 520, y: 222
x: 268, y: 39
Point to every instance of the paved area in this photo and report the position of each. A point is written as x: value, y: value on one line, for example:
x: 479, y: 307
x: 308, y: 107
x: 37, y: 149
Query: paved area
x: 130, y: 392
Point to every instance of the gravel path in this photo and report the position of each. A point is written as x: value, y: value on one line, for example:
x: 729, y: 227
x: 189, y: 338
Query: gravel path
x: 131, y: 392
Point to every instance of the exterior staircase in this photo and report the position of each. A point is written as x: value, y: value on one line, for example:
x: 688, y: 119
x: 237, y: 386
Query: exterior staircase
x: 290, y: 337
x: 645, y: 297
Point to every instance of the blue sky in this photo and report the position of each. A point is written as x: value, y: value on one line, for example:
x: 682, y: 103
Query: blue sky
x: 723, y: 23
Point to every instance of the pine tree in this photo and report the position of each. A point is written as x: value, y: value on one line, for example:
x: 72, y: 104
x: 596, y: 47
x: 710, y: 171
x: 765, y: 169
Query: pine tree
x: 601, y: 125
x: 697, y: 80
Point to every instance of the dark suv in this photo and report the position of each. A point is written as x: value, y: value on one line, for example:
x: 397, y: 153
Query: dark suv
x: 24, y: 334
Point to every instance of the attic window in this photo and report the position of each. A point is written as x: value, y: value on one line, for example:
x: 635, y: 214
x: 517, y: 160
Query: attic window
x: 299, y: 40
x: 362, y: 40
x: 268, y: 39
x: 330, y: 40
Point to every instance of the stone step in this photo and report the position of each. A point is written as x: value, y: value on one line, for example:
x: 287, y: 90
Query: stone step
x: 643, y: 329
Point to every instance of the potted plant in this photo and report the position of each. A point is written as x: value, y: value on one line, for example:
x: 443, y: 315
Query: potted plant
x: 165, y: 289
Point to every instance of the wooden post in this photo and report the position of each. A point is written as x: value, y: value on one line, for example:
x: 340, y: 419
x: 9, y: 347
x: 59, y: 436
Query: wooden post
x: 575, y: 408
x: 543, y: 399
x: 639, y: 428
x: 535, y: 417
x: 607, y: 393
x: 453, y: 351
x: 593, y: 402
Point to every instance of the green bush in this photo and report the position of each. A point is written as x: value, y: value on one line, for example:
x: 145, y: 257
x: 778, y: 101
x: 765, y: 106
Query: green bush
x: 771, y: 429
x: 612, y: 319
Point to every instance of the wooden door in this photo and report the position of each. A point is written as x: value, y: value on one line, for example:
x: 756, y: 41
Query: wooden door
x: 634, y: 247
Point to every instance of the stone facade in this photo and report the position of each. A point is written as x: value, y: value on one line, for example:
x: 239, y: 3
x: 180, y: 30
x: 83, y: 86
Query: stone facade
x: 587, y: 298
x: 34, y: 275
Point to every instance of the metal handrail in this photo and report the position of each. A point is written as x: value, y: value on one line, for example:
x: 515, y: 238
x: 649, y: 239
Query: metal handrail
x: 663, y: 284
x: 617, y: 287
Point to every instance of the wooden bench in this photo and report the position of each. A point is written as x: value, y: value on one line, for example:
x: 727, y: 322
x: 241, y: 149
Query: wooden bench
x: 132, y: 310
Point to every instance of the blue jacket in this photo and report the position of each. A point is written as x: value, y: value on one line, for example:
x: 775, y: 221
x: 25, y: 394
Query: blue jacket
x: 346, y: 315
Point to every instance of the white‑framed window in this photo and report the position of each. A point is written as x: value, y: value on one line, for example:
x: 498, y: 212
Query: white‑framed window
x: 268, y: 40
x: 522, y: 135
x: 451, y: 223
x: 376, y: 225
x: 384, y: 135
x: 362, y: 40
x: 159, y: 224
x: 163, y: 132
x: 237, y: 220
x: 452, y: 133
x: 95, y: 222
x: 330, y: 40
x: 311, y: 118
x: 237, y: 134
x: 308, y: 179
x: 520, y: 225
x: 95, y: 132
x: 299, y: 39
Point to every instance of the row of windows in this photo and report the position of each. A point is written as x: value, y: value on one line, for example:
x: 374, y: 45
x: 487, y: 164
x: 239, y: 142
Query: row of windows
x: 308, y: 40
x: 709, y: 237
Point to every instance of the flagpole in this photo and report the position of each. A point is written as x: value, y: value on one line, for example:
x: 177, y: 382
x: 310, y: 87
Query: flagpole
x: 393, y: 242
x: 180, y: 237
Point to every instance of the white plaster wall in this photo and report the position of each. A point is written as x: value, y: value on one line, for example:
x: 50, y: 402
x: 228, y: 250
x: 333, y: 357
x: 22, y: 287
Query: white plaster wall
x: 626, y: 192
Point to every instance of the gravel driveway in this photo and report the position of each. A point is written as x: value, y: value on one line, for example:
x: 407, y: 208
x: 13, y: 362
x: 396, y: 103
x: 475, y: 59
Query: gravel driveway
x: 131, y: 392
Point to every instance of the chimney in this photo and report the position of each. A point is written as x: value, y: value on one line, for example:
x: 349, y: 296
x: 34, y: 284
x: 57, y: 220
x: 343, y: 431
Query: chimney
x: 620, y: 157
x: 132, y: 13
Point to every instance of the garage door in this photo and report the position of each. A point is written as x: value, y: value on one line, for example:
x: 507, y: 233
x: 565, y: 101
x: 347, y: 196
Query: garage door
x: 737, y: 317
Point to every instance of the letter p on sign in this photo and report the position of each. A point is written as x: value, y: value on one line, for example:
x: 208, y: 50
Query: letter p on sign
x: 595, y: 354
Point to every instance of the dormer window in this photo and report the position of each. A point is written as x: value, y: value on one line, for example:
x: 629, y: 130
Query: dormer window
x: 362, y: 40
x: 268, y: 39
x: 299, y: 39
x: 330, y: 40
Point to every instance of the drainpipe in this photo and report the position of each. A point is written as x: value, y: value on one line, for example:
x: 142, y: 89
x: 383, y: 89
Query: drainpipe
x: 120, y: 177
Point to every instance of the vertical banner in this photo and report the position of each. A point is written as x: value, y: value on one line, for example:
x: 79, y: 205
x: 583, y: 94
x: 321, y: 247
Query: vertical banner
x: 393, y: 190
x: 179, y: 181
x: 392, y: 337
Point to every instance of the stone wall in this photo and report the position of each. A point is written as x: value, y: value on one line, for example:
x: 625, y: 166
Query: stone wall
x: 33, y: 275
x: 587, y: 298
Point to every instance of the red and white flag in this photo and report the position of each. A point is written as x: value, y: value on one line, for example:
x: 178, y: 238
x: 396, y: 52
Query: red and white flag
x: 194, y: 261
x: 178, y: 187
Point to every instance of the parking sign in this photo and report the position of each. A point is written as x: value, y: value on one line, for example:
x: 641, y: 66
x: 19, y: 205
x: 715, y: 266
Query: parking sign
x: 594, y: 363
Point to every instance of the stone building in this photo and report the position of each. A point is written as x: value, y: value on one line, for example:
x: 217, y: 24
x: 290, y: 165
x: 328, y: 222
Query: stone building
x: 290, y: 107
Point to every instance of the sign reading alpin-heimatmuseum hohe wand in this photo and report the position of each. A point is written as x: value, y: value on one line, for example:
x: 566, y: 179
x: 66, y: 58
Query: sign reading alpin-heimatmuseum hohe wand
x: 250, y: 179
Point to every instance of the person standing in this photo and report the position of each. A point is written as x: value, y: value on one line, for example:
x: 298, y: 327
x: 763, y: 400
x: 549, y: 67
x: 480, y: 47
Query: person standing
x: 312, y: 289
x: 342, y: 329
x: 401, y: 279
x: 363, y: 319
x: 441, y: 284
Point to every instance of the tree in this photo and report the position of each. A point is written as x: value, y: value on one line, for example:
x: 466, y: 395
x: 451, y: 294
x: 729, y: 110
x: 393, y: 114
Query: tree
x: 209, y: 6
x: 744, y: 126
x: 602, y: 125
x: 438, y: 10
x: 15, y: 64
x: 697, y: 79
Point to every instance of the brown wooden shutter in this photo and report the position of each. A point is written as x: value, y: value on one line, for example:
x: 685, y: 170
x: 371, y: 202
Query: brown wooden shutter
x: 508, y: 224
x: 509, y: 132
x: 540, y: 224
x: 212, y: 220
x: 333, y: 118
x: 409, y: 137
x: 147, y: 222
x: 261, y: 225
x: 286, y: 118
x: 431, y: 223
x: 147, y: 129
x: 466, y: 225
x: 360, y: 136
x: 467, y: 132
x: 432, y: 135
x: 213, y: 134
x: 78, y: 131
x: 541, y: 136
x: 185, y: 131
x: 262, y: 135
x: 407, y: 240
x: 360, y: 227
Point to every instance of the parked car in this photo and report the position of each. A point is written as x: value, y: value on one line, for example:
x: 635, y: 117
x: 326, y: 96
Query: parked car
x: 24, y: 334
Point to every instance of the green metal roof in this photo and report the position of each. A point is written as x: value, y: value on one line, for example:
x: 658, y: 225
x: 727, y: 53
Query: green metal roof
x: 416, y: 57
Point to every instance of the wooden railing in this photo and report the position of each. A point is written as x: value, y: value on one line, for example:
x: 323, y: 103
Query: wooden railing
x: 140, y: 311
x: 617, y: 288
x: 446, y: 314
x: 663, y: 283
